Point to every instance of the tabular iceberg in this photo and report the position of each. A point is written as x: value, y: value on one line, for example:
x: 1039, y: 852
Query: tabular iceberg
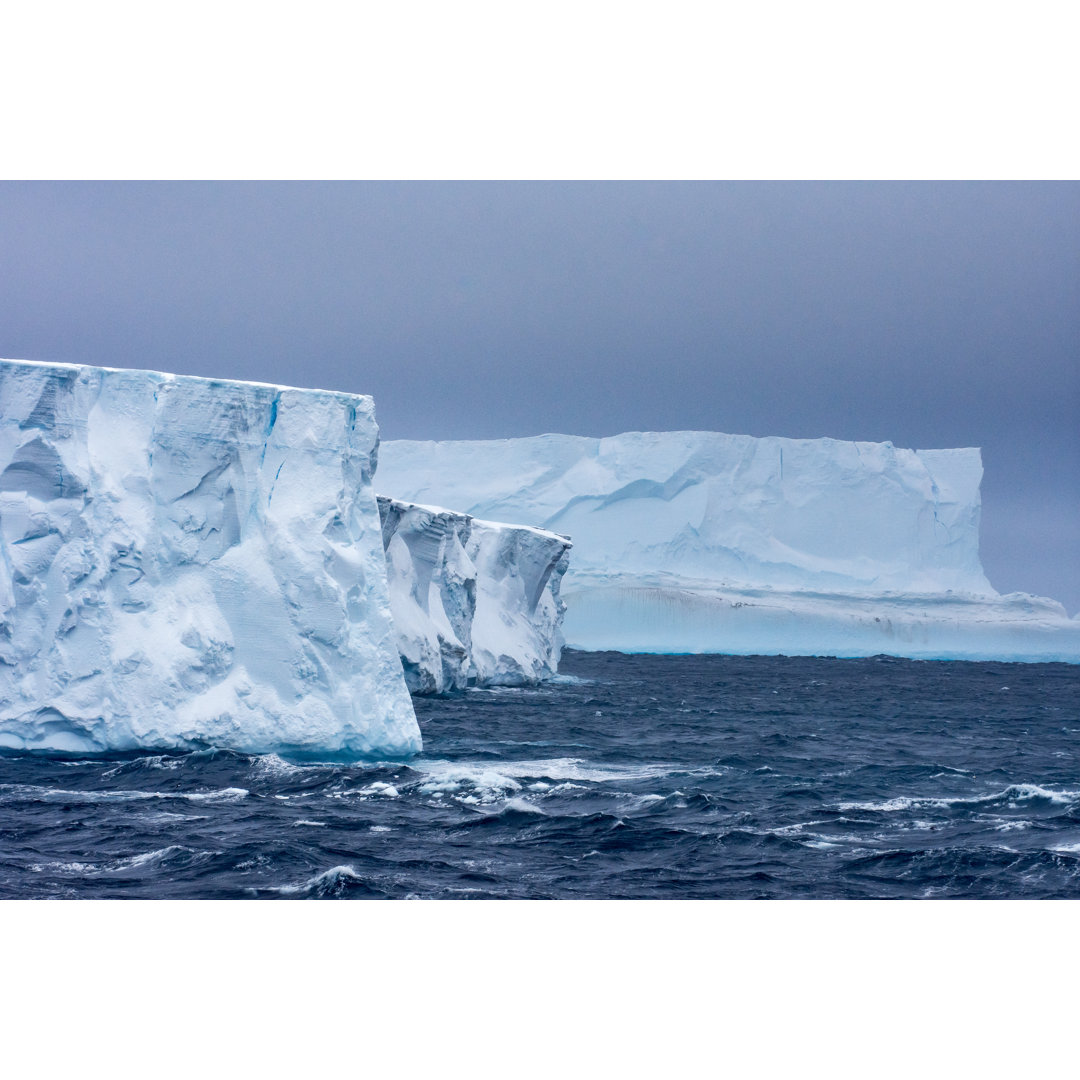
x: 191, y: 562
x: 704, y: 542
x: 474, y: 602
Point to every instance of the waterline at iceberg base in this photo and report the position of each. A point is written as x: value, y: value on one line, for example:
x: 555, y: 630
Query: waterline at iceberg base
x: 679, y: 616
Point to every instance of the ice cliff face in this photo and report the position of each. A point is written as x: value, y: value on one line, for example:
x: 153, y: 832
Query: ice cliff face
x: 701, y: 541
x: 474, y: 602
x: 189, y: 562
x: 800, y: 513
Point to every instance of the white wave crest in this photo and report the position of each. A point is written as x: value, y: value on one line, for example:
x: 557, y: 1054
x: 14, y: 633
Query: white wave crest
x: 508, y: 775
x: 523, y: 805
x: 43, y: 794
x: 379, y: 787
x: 170, y: 762
x: 482, y: 783
x: 272, y: 765
x: 131, y: 862
x: 577, y: 769
x: 135, y: 861
x: 320, y: 883
x: 229, y: 794
x: 65, y: 868
x: 1014, y: 794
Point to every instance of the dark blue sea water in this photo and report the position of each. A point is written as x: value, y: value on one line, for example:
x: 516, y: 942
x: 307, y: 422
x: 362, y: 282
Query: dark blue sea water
x: 632, y: 776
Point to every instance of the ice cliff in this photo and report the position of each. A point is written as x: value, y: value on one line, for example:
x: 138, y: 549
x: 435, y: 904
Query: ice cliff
x: 705, y: 542
x: 189, y: 562
x: 474, y: 602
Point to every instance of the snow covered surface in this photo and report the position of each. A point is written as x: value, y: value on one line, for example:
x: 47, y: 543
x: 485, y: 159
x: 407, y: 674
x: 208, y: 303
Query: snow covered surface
x: 189, y: 562
x: 474, y: 602
x: 694, y: 541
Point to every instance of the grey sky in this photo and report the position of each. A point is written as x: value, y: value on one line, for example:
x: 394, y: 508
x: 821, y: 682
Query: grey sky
x: 928, y: 314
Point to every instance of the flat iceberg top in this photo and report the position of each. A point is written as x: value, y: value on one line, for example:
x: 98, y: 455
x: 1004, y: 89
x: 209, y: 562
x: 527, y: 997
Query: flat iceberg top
x: 59, y: 397
x: 430, y: 508
x: 167, y: 376
x: 190, y: 562
x: 797, y: 513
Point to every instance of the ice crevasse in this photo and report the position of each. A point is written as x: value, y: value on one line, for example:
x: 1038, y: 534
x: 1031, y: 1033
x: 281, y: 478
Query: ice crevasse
x: 697, y: 541
x: 188, y: 562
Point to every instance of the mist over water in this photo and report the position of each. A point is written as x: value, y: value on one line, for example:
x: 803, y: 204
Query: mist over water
x: 630, y: 776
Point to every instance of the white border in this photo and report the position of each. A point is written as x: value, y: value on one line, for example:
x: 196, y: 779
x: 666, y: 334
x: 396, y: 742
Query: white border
x: 582, y: 89
x: 541, y: 989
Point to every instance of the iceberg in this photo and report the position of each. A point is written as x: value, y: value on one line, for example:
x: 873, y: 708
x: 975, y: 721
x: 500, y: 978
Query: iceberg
x: 188, y: 562
x: 692, y: 541
x: 475, y: 603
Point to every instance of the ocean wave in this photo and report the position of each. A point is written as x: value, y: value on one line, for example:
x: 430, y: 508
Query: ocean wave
x: 230, y: 794
x: 127, y: 863
x: 147, y: 858
x: 806, y: 832
x: 164, y: 762
x: 272, y: 765
x: 640, y: 802
x: 34, y: 793
x: 513, y: 812
x: 529, y: 795
x: 64, y: 868
x: 521, y: 806
x: 480, y: 781
x: 472, y: 784
x: 380, y: 787
x: 335, y: 882
x: 1014, y: 794
x: 568, y: 768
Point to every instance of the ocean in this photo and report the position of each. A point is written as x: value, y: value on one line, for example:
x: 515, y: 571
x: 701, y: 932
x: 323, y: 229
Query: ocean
x: 644, y: 777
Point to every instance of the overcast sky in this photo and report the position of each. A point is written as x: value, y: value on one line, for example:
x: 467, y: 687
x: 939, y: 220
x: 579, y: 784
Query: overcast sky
x: 927, y: 314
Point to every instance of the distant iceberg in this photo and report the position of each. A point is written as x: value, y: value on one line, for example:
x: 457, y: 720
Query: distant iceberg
x: 704, y: 542
x: 188, y: 562
x: 474, y: 602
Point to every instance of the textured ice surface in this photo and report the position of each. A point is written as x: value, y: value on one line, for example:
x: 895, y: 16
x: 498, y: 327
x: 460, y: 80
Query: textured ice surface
x: 474, y: 602
x: 190, y: 562
x: 692, y: 541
